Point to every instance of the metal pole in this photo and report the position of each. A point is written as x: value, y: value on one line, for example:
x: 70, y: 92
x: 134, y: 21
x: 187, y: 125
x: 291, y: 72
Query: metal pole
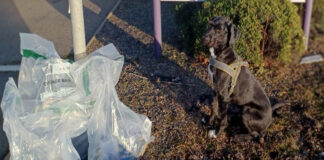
x: 157, y: 28
x: 307, y: 20
x: 78, y: 34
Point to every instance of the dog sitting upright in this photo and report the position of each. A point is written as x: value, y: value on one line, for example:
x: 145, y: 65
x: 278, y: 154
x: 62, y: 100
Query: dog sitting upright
x: 233, y: 82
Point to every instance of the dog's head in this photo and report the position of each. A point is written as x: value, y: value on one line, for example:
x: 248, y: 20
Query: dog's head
x: 221, y: 33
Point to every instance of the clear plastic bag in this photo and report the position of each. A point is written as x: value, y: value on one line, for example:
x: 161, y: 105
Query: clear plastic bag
x: 57, y: 100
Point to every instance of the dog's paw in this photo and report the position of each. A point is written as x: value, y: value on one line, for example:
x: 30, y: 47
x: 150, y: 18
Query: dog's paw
x: 211, y: 120
x: 212, y: 133
x: 220, y: 135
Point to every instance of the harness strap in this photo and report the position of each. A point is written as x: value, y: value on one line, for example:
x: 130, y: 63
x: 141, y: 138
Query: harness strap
x: 233, y: 70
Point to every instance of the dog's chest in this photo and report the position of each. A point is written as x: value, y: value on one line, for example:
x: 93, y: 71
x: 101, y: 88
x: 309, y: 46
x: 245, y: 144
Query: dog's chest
x: 221, y: 81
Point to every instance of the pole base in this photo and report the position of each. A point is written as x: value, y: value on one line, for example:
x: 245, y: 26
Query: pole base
x: 79, y: 56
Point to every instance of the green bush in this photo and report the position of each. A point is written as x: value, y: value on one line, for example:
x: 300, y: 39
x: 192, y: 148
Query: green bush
x: 268, y: 27
x: 318, y: 15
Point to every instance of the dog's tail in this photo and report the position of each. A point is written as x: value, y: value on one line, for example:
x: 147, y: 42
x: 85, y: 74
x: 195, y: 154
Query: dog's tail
x: 278, y: 105
x: 275, y: 103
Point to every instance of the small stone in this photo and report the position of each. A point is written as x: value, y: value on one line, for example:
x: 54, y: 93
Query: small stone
x: 203, y: 120
x: 312, y: 59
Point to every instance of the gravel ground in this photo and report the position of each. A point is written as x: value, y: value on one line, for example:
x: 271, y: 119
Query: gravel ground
x: 165, y: 90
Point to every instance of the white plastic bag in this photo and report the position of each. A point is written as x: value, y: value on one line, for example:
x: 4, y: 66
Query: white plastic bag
x: 57, y: 100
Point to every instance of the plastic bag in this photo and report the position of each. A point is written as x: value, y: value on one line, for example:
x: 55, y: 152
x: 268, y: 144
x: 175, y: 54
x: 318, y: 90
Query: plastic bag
x: 57, y: 100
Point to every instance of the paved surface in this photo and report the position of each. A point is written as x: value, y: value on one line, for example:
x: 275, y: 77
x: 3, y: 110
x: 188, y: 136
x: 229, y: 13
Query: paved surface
x: 47, y: 18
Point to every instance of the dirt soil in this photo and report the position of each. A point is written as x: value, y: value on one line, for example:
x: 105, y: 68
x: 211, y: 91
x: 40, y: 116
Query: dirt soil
x: 165, y: 90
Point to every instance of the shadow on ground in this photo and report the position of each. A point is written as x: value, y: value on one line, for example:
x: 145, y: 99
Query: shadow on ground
x: 164, y: 89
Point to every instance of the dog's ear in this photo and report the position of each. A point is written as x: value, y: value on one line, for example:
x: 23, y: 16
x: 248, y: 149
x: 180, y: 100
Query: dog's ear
x: 213, y: 22
x: 233, y: 34
x: 216, y: 21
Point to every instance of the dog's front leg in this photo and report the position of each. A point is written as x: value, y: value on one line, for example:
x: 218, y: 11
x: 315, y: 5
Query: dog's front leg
x: 223, y: 122
x: 214, y: 111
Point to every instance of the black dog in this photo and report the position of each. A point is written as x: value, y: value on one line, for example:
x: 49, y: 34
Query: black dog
x: 243, y: 90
